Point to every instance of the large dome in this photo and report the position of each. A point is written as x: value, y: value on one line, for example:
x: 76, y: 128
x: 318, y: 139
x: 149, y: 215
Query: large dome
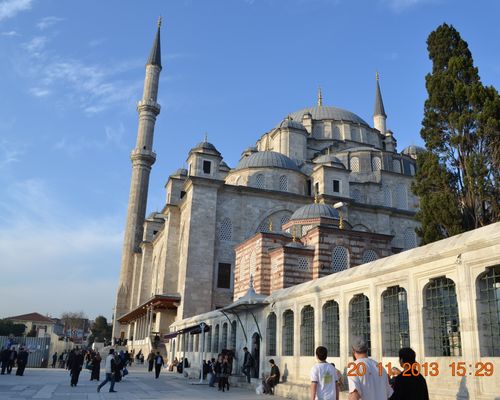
x: 330, y: 113
x: 265, y: 159
x: 311, y: 211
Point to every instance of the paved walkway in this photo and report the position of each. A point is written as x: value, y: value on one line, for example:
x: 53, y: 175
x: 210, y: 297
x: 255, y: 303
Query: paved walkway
x: 139, y: 384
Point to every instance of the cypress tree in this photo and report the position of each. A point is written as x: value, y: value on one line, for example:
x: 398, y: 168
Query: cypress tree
x: 457, y: 179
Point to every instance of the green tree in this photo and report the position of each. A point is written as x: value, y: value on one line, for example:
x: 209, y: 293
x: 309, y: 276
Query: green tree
x: 458, y: 179
x: 101, y: 330
x: 9, y: 328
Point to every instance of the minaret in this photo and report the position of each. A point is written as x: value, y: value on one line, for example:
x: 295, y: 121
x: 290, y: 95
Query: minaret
x: 320, y: 98
x: 379, y: 116
x: 142, y: 158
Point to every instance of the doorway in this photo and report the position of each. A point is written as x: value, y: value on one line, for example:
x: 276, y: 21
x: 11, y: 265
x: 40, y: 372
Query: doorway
x: 256, y: 354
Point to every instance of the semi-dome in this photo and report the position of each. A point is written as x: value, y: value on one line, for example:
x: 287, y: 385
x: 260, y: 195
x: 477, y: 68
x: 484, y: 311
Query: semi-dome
x: 312, y: 211
x: 290, y: 123
x: 413, y: 150
x: 328, y: 158
x: 267, y: 159
x: 328, y: 113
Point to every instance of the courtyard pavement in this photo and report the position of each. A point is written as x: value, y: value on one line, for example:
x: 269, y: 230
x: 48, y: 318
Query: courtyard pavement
x: 139, y: 384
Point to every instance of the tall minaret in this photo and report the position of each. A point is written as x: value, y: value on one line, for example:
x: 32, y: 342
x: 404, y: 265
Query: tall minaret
x: 142, y: 158
x: 379, y: 116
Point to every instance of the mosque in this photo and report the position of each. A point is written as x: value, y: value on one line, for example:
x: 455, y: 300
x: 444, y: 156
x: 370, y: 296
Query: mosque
x: 262, y: 254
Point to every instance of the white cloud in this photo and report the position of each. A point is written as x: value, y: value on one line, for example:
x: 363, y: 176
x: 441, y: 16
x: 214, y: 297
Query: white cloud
x: 39, y: 92
x: 47, y: 22
x: 54, y: 254
x: 9, y: 153
x: 401, y: 5
x: 10, y: 33
x: 10, y: 8
x: 36, y: 46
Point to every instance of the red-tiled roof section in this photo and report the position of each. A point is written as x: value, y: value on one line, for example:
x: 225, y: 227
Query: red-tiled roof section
x: 35, y: 317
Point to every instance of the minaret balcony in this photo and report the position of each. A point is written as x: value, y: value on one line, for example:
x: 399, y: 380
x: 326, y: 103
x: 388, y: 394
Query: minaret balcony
x: 144, y: 155
x: 148, y: 105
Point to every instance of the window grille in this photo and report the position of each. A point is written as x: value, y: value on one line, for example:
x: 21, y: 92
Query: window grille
x: 355, y: 164
x: 331, y: 329
x: 260, y: 182
x: 307, y: 332
x: 396, y: 328
x: 340, y: 258
x: 263, y: 226
x: 359, y: 318
x: 215, y: 344
x: 305, y: 229
x: 284, y: 219
x: 410, y: 239
x: 271, y: 334
x: 283, y: 183
x: 396, y: 166
x: 401, y: 197
x: 225, y: 230
x: 224, y: 336
x: 442, y: 319
x: 208, y: 341
x: 233, y: 335
x: 412, y: 169
x: 287, y: 339
x: 387, y: 196
x: 357, y: 196
x: 253, y: 263
x: 303, y: 264
x: 369, y: 256
x: 489, y: 312
x: 376, y: 164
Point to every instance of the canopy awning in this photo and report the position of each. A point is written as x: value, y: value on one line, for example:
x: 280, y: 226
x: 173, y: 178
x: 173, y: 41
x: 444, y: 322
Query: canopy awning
x: 192, y: 330
x: 157, y: 302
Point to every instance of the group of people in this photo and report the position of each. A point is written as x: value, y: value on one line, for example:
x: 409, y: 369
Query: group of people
x: 9, y: 358
x: 218, y: 371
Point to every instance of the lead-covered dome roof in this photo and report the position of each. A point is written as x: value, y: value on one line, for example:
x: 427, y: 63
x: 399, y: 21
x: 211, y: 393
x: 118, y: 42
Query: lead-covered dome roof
x: 267, y: 159
x: 328, y: 113
x: 312, y: 211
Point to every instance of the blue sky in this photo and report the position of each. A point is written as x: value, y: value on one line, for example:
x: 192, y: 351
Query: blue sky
x: 72, y: 71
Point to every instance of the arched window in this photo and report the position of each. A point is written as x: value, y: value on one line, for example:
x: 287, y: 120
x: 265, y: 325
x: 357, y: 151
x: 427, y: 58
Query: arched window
x: 355, y: 164
x: 396, y: 166
x: 244, y: 267
x: 305, y: 229
x: 340, y: 259
x: 441, y: 320
x: 283, y: 183
x: 488, y: 311
x: 253, y: 264
x: 208, y: 341
x: 331, y: 330
x: 395, y: 325
x: 263, y: 226
x: 387, y: 196
x: 215, y: 344
x: 287, y: 339
x: 303, y: 264
x: 401, y: 197
x: 224, y: 336
x: 260, y: 181
x: 369, y: 256
x: 412, y: 169
x: 190, y: 342
x: 271, y: 334
x: 410, y: 239
x: 376, y: 163
x: 359, y: 318
x: 307, y: 331
x: 233, y: 335
x: 225, y: 230
x: 196, y: 342
x: 284, y: 219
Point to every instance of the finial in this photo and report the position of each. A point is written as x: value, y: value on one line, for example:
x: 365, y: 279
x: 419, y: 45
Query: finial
x: 270, y: 225
x: 206, y: 137
x: 159, y: 21
x: 294, y: 238
x: 320, y: 97
x: 341, y: 220
x: 377, y: 76
x: 315, y: 198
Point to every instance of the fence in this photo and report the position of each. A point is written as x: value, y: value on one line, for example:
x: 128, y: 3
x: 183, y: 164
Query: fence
x: 38, y: 348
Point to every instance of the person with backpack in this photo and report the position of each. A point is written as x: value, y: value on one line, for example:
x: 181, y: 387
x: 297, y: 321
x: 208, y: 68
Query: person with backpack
x: 247, y: 363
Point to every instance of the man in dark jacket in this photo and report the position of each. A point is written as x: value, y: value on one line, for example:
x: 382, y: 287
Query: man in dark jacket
x: 12, y: 360
x: 273, y: 379
x: 4, y: 359
x: 410, y: 386
x: 76, y: 366
x: 158, y: 364
x: 22, y: 360
x: 247, y: 363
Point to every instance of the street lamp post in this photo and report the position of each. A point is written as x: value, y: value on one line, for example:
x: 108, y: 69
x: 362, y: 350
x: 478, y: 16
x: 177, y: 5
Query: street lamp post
x: 202, y: 350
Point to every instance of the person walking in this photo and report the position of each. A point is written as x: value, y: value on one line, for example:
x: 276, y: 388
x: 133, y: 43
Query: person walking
x: 410, y: 386
x: 371, y: 384
x: 96, y: 367
x: 324, y: 379
x: 247, y: 363
x: 22, y: 360
x: 211, y: 373
x: 151, y: 361
x: 54, y: 359
x: 4, y: 359
x: 158, y: 364
x: 12, y: 360
x: 76, y: 366
x: 110, y: 369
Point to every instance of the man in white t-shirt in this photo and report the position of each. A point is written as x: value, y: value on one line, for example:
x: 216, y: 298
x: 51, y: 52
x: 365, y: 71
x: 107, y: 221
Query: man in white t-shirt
x: 367, y: 381
x: 324, y: 380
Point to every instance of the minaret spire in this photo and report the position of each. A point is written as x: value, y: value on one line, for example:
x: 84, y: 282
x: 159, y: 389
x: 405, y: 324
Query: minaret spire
x: 142, y: 158
x: 379, y: 116
x: 320, y: 97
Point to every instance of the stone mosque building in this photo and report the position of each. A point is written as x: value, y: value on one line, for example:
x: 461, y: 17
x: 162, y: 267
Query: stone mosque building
x: 261, y: 254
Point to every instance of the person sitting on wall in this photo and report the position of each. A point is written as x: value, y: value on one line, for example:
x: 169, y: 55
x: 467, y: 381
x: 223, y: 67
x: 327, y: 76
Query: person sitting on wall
x: 273, y: 379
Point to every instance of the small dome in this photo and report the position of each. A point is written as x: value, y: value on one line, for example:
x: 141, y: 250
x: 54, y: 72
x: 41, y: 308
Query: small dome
x: 289, y: 123
x: 328, y: 113
x: 205, y: 146
x: 266, y: 159
x: 329, y: 158
x: 413, y: 150
x: 181, y: 171
x: 311, y: 211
